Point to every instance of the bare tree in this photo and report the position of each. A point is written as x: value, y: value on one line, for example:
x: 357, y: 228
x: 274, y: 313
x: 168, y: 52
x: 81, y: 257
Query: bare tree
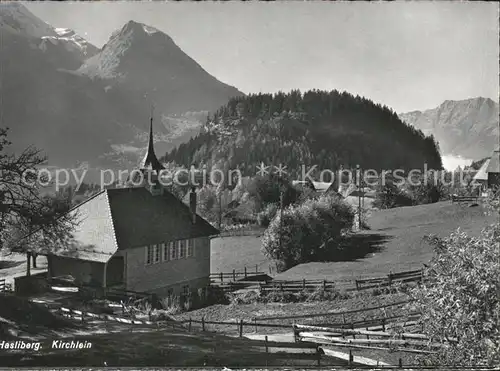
x: 30, y: 222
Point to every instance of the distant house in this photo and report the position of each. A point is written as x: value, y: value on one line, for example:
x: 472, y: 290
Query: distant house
x: 493, y: 170
x: 141, y: 239
x: 480, y: 179
x: 318, y: 187
x: 488, y: 176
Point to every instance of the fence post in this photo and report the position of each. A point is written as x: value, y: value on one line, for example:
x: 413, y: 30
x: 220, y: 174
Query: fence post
x: 400, y: 363
x: 203, y: 323
x: 357, y: 285
x: 324, y: 285
x: 318, y: 354
x: 389, y: 276
x: 190, y: 322
x: 383, y: 324
x: 281, y: 286
x: 255, y: 323
x: 304, y: 284
x: 221, y: 277
x: 234, y: 275
x: 256, y: 268
x: 350, y: 358
x: 83, y: 315
x: 241, y: 328
x: 265, y: 342
x: 245, y: 272
x: 352, y: 328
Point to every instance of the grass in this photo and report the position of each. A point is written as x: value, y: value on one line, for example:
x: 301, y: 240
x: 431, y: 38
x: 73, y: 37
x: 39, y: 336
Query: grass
x: 237, y: 252
x: 393, y: 243
x: 247, y: 312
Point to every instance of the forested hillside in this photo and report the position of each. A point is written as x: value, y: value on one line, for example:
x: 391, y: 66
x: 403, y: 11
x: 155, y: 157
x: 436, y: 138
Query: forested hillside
x: 327, y: 129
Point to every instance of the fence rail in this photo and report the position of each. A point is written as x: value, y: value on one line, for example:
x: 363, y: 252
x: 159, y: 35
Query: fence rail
x: 400, y: 277
x: 83, y: 316
x: 266, y: 284
x: 455, y: 198
x: 234, y: 276
x: 291, y: 286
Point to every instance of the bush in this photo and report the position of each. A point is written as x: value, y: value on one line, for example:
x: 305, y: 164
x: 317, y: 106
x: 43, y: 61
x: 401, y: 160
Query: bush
x: 215, y: 295
x: 308, y: 232
x: 389, y: 195
x: 459, y: 298
x: 172, y: 305
x: 265, y: 217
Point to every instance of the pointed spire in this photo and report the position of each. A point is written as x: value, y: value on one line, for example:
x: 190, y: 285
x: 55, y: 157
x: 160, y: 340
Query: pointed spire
x: 150, y: 161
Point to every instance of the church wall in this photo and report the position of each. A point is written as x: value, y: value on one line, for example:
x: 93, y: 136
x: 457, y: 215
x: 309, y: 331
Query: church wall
x: 173, y: 275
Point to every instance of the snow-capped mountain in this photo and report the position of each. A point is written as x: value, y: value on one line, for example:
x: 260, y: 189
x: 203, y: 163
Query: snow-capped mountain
x: 467, y: 128
x: 62, y: 45
x: 16, y: 18
x: 76, y: 118
x: 70, y: 42
x: 143, y: 59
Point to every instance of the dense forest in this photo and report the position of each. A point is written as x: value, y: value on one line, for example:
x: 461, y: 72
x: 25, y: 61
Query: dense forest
x: 327, y: 129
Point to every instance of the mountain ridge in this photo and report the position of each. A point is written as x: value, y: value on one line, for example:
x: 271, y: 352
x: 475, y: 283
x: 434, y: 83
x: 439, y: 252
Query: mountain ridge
x: 467, y: 128
x: 101, y: 122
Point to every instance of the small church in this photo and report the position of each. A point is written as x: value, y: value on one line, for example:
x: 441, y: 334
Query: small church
x: 140, y: 238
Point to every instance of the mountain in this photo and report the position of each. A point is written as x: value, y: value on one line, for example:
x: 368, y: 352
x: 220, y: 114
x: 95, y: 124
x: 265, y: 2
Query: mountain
x: 147, y: 61
x: 67, y: 49
x: 15, y: 17
x: 316, y: 128
x: 466, y: 128
x: 51, y: 100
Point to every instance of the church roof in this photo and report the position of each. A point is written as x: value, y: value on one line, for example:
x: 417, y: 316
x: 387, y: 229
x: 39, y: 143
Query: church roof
x: 150, y: 161
x: 123, y: 218
x: 494, y: 165
x: 482, y: 174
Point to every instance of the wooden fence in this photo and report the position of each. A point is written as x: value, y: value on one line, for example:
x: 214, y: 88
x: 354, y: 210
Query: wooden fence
x: 297, y: 286
x: 401, y: 277
x: 2, y: 285
x: 221, y: 277
x: 241, y: 232
x: 84, y: 316
x: 455, y: 198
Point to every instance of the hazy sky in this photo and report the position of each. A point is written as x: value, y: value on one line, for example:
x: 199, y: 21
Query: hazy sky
x: 407, y: 55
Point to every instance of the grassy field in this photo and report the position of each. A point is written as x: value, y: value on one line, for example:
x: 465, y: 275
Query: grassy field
x: 393, y: 243
x: 238, y: 252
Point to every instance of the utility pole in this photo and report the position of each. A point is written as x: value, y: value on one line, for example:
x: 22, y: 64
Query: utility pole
x: 358, y: 176
x: 281, y: 188
x: 220, y: 209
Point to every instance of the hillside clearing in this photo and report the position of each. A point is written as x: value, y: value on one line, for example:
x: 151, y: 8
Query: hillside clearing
x: 393, y: 243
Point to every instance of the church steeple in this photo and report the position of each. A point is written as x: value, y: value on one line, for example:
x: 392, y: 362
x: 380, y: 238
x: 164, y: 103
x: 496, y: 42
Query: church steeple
x: 150, y: 161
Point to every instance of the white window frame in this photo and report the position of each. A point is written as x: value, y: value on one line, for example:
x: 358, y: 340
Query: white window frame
x: 182, y: 249
x: 191, y: 247
x: 156, y: 254
x: 149, y: 254
x: 165, y: 251
x: 173, y: 251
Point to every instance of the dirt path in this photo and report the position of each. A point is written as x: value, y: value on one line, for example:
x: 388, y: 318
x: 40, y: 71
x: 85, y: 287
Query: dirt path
x: 14, y: 265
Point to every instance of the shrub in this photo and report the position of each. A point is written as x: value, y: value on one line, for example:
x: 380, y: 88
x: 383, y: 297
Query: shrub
x: 172, y: 305
x: 215, y: 295
x: 389, y: 195
x: 308, y: 231
x: 248, y: 297
x: 459, y: 298
x: 265, y: 216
